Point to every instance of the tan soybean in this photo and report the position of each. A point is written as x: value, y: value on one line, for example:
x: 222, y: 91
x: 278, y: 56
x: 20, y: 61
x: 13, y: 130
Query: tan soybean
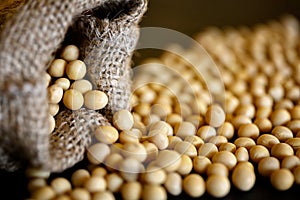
x: 95, y: 99
x: 44, y: 193
x: 151, y: 150
x: 173, y: 140
x: 297, y: 175
x: 280, y: 116
x: 155, y: 176
x: 208, y: 150
x: 51, y: 123
x: 218, y: 140
x: 63, y: 197
x: 123, y: 120
x: 131, y: 190
x: 99, y: 171
x: 263, y: 112
x: 47, y: 79
x: 194, y: 185
x: 76, y: 69
x: 161, y: 110
x: 282, y: 179
x: 186, y: 165
x: 267, y: 140
x: 206, y: 132
x: 97, y: 153
x: 225, y: 157
x: 215, y: 115
x: 55, y: 94
x: 294, y: 143
x: 79, y: 177
x: 195, y: 140
x: 294, y: 126
x: 169, y: 160
x: 82, y: 86
x: 57, y: 68
x: 258, y: 152
x: 267, y: 165
x: 73, y: 99
x: 156, y: 192
x: 113, y: 160
x: 226, y: 130
x: 248, y: 130
x: 184, y: 129
x: 61, y: 185
x: 186, y: 148
x: 244, y: 142
x: 129, y: 136
x: 106, y: 195
x: 80, y: 194
x: 281, y: 150
x: 290, y: 162
x: 217, y: 186
x: 70, y: 53
x: 295, y: 112
x: 196, y: 120
x: 143, y: 109
x: 159, y: 138
x: 134, y: 150
x: 173, y: 183
x: 95, y: 184
x: 53, y: 109
x: 173, y: 119
x: 36, y: 183
x: 246, y: 110
x: 264, y: 124
x: 238, y: 120
x: 107, y: 134
x: 114, y: 182
x: 130, y: 169
x: 242, y: 154
x: 37, y: 173
x: 227, y: 147
x: 64, y: 83
x: 200, y: 164
x: 243, y: 176
x: 282, y: 133
x: 162, y: 126
x: 217, y: 169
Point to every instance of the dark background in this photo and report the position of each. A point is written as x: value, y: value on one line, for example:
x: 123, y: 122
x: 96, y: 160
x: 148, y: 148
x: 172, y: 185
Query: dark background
x: 190, y: 17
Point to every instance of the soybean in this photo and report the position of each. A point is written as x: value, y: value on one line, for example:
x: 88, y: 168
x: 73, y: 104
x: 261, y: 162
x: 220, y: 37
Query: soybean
x: 217, y: 186
x: 107, y: 134
x: 154, y: 192
x: 225, y: 157
x: 282, y: 179
x: 173, y: 183
x: 95, y: 99
x: 123, y: 120
x: 76, y: 69
x: 243, y: 176
x: 215, y: 115
x: 82, y: 86
x: 268, y: 165
x: 194, y: 185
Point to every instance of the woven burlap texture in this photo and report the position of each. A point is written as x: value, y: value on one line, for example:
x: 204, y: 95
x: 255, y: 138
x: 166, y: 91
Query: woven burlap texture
x: 108, y: 31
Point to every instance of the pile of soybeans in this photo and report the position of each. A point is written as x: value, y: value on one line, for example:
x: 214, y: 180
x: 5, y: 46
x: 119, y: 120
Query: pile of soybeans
x: 182, y: 136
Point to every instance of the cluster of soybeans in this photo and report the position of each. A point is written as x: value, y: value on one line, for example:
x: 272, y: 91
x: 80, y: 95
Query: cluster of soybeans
x: 182, y: 137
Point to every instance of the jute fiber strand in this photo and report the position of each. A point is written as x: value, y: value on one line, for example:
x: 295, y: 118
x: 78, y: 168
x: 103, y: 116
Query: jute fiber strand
x: 108, y: 32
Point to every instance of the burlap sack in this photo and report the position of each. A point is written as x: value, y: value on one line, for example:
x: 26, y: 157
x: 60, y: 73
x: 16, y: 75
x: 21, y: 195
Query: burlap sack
x: 106, y: 31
